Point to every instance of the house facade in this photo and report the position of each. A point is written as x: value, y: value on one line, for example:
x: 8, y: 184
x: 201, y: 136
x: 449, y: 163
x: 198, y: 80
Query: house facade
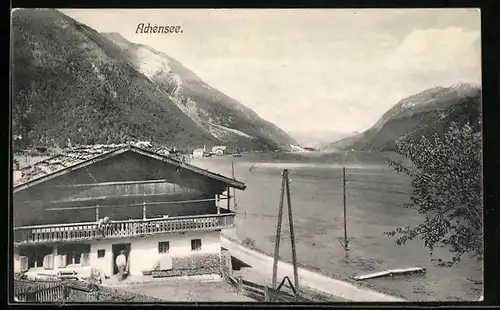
x: 219, y: 150
x: 73, y: 213
x: 198, y: 153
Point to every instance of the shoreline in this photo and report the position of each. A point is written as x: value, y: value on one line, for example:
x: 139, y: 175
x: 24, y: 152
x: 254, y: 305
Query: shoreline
x: 358, y: 284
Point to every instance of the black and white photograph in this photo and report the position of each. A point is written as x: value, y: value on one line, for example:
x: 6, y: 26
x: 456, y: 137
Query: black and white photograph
x: 246, y: 155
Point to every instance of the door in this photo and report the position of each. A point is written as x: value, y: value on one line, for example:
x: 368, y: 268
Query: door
x: 116, y: 248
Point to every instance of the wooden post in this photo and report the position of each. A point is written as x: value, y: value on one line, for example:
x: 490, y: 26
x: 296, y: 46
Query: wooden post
x: 240, y: 285
x: 234, y: 189
x: 144, y: 210
x: 346, y: 242
x: 292, y: 233
x: 97, y: 213
x: 228, y: 198
x: 278, y: 232
x: 266, y: 293
x: 217, y: 201
x: 55, y: 254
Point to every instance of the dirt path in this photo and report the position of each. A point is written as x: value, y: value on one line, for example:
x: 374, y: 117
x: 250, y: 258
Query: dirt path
x: 262, y: 266
x: 186, y: 290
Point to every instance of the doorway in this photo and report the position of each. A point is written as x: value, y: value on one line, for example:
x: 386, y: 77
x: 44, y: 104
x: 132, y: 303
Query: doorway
x: 116, y: 248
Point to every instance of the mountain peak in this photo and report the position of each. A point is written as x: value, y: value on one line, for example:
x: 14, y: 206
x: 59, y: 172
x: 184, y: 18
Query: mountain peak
x: 423, y: 114
x: 102, y: 87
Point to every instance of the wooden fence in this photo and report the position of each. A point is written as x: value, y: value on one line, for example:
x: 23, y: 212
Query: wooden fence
x: 262, y: 292
x: 73, y: 291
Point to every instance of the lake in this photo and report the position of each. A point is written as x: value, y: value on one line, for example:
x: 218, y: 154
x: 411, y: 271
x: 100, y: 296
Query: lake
x: 375, y: 195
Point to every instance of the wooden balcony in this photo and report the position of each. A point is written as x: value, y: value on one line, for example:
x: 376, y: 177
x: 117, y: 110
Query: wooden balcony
x: 78, y: 232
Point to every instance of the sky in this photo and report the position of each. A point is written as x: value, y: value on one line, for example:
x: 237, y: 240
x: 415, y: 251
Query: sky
x: 312, y: 69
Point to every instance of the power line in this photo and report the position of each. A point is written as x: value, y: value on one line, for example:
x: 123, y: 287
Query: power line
x: 376, y: 200
x: 336, y: 179
x: 375, y: 182
x: 379, y: 190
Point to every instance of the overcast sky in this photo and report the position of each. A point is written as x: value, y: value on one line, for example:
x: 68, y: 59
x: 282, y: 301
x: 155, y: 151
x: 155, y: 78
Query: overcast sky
x: 321, y: 70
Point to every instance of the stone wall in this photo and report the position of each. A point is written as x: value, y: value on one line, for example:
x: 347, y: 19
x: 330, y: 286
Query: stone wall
x: 195, y: 264
x: 226, y: 265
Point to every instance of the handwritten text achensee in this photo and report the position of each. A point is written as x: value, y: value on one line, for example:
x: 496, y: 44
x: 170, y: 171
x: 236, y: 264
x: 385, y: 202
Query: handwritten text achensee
x: 142, y: 28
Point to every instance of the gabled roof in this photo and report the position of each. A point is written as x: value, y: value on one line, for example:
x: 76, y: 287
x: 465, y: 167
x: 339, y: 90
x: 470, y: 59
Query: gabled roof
x: 79, y: 157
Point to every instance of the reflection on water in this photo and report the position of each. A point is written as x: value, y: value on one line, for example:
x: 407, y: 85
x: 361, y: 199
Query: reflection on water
x: 375, y: 196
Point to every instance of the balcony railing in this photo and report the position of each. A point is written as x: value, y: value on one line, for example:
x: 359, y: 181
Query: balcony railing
x: 41, y: 234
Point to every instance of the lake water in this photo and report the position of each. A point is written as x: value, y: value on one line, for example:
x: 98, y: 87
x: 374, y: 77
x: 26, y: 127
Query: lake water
x: 375, y: 195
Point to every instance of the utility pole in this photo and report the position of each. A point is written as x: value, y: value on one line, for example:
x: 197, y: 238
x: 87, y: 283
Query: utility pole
x: 285, y: 186
x: 234, y: 189
x: 278, y: 234
x: 346, y: 242
x: 292, y: 233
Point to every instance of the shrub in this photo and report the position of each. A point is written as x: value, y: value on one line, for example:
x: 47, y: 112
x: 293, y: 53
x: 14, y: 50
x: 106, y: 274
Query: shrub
x: 447, y: 189
x: 248, y: 242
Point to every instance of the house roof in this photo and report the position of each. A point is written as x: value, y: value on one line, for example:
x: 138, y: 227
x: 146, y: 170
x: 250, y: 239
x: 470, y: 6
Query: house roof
x: 74, y: 158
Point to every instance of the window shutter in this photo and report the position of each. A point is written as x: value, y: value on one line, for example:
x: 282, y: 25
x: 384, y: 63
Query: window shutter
x: 46, y: 262
x: 24, y: 263
x: 85, y: 259
x: 62, y: 261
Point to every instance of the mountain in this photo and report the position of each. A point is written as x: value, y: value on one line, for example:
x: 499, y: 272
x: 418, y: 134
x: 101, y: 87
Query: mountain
x: 71, y: 83
x: 422, y: 114
x: 318, y: 138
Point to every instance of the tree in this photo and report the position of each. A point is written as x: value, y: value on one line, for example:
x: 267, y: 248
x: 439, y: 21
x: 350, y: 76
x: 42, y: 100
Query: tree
x: 447, y: 188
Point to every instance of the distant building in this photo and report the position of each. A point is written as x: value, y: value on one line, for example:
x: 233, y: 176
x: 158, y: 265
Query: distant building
x: 297, y: 149
x: 16, y: 171
x: 219, y: 150
x: 164, y: 151
x: 70, y: 216
x: 198, y: 153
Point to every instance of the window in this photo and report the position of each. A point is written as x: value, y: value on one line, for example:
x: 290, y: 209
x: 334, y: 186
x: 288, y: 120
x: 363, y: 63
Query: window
x: 195, y: 244
x: 163, y: 247
x: 101, y: 253
x: 73, y: 257
x: 74, y: 253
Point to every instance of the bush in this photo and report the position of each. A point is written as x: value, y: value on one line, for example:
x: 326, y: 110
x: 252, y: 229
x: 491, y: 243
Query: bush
x: 248, y: 242
x: 446, y: 178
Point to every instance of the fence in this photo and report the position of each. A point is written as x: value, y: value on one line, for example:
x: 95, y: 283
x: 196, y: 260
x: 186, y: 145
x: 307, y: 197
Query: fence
x: 73, y: 291
x: 262, y: 292
x: 122, y: 228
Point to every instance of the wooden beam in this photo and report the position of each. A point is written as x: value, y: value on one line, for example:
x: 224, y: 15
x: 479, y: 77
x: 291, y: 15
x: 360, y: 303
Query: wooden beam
x: 112, y: 197
x: 133, y: 205
x: 278, y: 233
x: 292, y: 233
x: 346, y: 242
x: 234, y: 189
x: 104, y: 198
x: 391, y: 273
x: 114, y: 183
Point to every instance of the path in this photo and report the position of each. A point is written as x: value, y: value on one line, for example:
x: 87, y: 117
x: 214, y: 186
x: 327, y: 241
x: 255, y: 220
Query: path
x: 206, y: 288
x: 261, y: 263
